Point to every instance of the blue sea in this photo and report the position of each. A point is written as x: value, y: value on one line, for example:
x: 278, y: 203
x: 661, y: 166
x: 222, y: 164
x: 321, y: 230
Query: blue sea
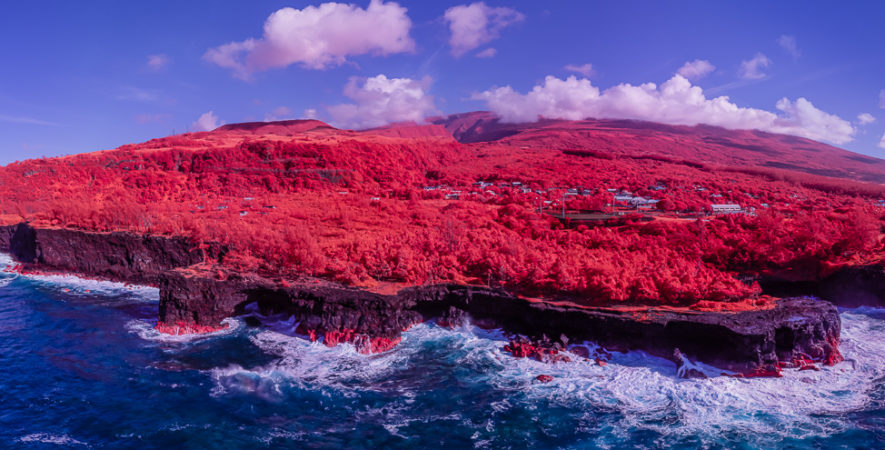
x: 82, y: 367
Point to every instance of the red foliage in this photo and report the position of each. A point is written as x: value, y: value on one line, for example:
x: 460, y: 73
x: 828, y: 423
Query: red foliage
x: 181, y: 328
x: 544, y: 378
x: 372, y: 209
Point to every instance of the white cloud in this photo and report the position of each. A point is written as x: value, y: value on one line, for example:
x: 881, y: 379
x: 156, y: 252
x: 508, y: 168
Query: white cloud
x: 310, y: 113
x: 487, y: 53
x: 476, y: 24
x: 318, y: 37
x: 697, y: 69
x: 583, y: 69
x: 279, y: 113
x: 158, y: 62
x: 676, y: 102
x: 788, y: 43
x: 381, y: 100
x: 882, y: 142
x: 865, y: 118
x: 207, y: 122
x: 882, y: 99
x: 751, y: 69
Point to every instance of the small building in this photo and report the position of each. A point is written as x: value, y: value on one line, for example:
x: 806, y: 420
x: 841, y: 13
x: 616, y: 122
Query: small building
x: 725, y: 208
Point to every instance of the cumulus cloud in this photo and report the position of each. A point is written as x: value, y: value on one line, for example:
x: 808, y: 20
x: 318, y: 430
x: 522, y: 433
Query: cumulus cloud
x: 318, y: 37
x: 476, y: 24
x: 882, y: 142
x: 751, y: 69
x: 788, y: 43
x: 487, y: 53
x: 676, y: 102
x: 865, y: 118
x: 158, y: 62
x: 583, y: 69
x: 697, y: 69
x: 279, y: 113
x: 310, y: 113
x: 380, y: 100
x: 207, y: 122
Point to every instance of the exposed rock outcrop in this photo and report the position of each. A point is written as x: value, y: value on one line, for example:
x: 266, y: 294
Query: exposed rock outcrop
x: 855, y: 286
x: 194, y: 292
x: 118, y: 256
x: 848, y: 287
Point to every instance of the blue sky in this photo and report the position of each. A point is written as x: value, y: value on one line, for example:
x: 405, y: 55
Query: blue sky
x: 91, y: 75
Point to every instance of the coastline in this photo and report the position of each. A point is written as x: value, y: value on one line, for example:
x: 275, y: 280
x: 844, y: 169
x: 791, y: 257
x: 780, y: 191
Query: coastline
x: 196, y: 296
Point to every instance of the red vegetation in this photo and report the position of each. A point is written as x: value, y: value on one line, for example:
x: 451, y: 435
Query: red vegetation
x: 836, y: 356
x: 399, y: 206
x: 363, y: 343
x: 182, y: 328
x: 525, y: 349
x: 761, y: 372
x: 699, y: 145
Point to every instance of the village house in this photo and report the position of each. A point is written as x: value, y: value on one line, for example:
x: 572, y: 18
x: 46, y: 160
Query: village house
x: 726, y: 208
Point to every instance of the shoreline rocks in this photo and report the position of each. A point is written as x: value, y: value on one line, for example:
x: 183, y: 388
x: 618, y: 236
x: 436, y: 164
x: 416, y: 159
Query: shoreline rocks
x: 194, y: 297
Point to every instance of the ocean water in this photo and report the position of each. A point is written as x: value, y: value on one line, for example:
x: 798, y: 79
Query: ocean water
x: 83, y: 368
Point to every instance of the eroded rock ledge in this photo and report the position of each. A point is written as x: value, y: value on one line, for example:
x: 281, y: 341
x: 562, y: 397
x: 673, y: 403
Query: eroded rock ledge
x: 191, y: 294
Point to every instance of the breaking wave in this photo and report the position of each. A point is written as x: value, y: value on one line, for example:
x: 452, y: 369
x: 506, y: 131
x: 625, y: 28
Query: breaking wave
x: 146, y: 330
x: 91, y: 365
x: 638, y: 391
x: 55, y: 439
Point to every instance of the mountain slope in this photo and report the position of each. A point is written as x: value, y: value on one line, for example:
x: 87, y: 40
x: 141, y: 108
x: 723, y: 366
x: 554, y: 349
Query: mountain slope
x: 702, y: 143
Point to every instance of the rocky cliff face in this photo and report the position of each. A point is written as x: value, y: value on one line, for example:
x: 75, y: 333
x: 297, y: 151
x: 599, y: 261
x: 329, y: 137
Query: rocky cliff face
x: 195, y: 293
x: 117, y: 256
x: 855, y: 286
x: 849, y: 287
x: 738, y: 341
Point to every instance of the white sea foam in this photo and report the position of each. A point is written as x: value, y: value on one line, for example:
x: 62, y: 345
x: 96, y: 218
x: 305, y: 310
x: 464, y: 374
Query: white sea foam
x: 77, y: 286
x: 6, y: 261
x: 646, y: 390
x: 145, y: 330
x: 5, y: 280
x: 74, y: 285
x: 302, y: 364
x: 643, y: 388
x: 56, y: 439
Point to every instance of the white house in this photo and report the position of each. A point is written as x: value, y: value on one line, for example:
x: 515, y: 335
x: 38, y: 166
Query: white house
x: 725, y: 208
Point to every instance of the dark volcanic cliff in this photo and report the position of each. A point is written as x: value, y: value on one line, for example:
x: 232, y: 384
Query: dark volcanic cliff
x: 198, y: 295
x: 117, y: 256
